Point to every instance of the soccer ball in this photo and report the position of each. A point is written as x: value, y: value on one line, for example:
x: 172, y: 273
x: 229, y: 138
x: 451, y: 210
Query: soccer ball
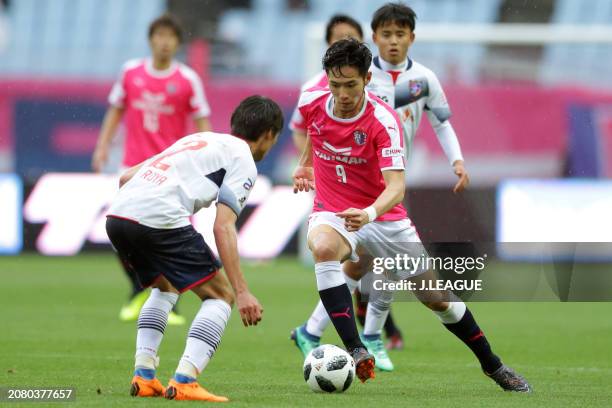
x: 328, y: 368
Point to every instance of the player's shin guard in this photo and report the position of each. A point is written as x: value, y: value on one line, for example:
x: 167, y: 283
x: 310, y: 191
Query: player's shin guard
x: 338, y: 302
x: 203, y: 338
x: 151, y: 325
x: 319, y: 319
x: 459, y: 320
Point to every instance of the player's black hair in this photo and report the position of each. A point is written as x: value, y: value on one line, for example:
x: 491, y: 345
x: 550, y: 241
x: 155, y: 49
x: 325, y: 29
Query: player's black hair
x: 342, y: 19
x: 254, y: 116
x: 169, y: 21
x: 397, y: 13
x: 348, y: 52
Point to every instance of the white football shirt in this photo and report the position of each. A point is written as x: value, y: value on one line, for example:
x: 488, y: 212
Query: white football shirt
x: 191, y: 174
x: 411, y: 92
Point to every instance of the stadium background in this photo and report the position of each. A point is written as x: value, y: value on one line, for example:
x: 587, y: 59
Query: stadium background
x: 525, y: 105
x: 532, y: 109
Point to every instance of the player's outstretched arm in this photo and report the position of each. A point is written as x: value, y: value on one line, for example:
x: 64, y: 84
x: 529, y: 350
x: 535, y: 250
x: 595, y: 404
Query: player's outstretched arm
x: 393, y: 194
x: 303, y: 176
x: 107, y: 133
x: 227, y: 245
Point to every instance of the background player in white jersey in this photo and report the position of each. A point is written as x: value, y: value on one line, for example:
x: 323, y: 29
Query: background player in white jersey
x: 148, y: 224
x: 411, y: 89
x: 344, y: 129
x: 155, y: 97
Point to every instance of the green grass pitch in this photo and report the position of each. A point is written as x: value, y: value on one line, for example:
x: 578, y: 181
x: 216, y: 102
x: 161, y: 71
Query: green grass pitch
x: 60, y: 328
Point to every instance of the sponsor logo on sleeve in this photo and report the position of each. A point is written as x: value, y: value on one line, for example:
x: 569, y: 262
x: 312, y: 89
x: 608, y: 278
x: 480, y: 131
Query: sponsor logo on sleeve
x: 392, y: 152
x: 248, y: 184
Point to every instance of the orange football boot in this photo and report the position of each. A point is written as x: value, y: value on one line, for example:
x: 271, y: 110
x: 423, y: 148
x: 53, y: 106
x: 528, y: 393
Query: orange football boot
x: 146, y: 388
x: 190, y: 392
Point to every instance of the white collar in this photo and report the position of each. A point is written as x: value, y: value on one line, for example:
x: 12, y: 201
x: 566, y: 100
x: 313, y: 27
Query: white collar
x: 157, y: 73
x: 386, y: 66
x: 329, y: 108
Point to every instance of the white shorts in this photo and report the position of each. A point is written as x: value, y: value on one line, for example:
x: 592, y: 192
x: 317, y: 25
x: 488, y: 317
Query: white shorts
x: 382, y: 239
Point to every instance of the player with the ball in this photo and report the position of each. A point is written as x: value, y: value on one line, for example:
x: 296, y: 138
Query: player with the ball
x: 355, y: 153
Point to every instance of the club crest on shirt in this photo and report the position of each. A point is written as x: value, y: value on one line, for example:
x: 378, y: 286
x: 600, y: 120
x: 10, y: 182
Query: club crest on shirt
x: 407, y: 93
x: 416, y: 88
x: 139, y: 82
x: 171, y: 88
x: 360, y: 137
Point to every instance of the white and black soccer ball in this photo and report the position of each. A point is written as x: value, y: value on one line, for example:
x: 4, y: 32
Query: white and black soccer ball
x: 328, y: 368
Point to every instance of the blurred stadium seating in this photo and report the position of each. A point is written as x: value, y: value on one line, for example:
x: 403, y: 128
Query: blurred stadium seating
x: 259, y: 26
x: 588, y: 64
x: 90, y: 39
x: 75, y: 38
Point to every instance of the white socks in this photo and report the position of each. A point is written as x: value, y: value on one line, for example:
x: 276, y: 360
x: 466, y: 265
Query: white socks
x: 376, y: 315
x: 329, y: 275
x: 319, y: 319
x: 151, y: 325
x: 204, y: 336
x: 453, y: 314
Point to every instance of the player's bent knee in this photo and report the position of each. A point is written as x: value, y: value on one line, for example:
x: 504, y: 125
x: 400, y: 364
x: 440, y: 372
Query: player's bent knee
x: 324, y: 249
x: 323, y: 253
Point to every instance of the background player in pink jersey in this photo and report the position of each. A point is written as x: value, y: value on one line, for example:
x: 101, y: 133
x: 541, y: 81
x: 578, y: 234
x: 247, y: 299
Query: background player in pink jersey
x: 354, y: 152
x: 155, y: 96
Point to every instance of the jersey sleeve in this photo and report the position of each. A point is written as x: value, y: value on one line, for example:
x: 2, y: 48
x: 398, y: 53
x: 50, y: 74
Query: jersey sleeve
x: 318, y: 82
x: 300, y: 114
x: 437, y: 108
x: 198, y: 103
x: 297, y: 121
x: 238, y: 184
x: 117, y: 94
x: 389, y: 140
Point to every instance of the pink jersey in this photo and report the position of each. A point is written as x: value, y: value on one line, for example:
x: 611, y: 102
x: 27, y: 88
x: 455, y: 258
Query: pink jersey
x: 157, y: 105
x: 318, y: 81
x: 349, y: 155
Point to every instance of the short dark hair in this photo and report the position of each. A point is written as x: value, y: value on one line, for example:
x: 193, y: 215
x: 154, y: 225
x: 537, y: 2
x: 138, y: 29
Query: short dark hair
x: 342, y: 19
x: 254, y: 116
x: 169, y: 21
x: 348, y: 52
x: 397, y: 13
